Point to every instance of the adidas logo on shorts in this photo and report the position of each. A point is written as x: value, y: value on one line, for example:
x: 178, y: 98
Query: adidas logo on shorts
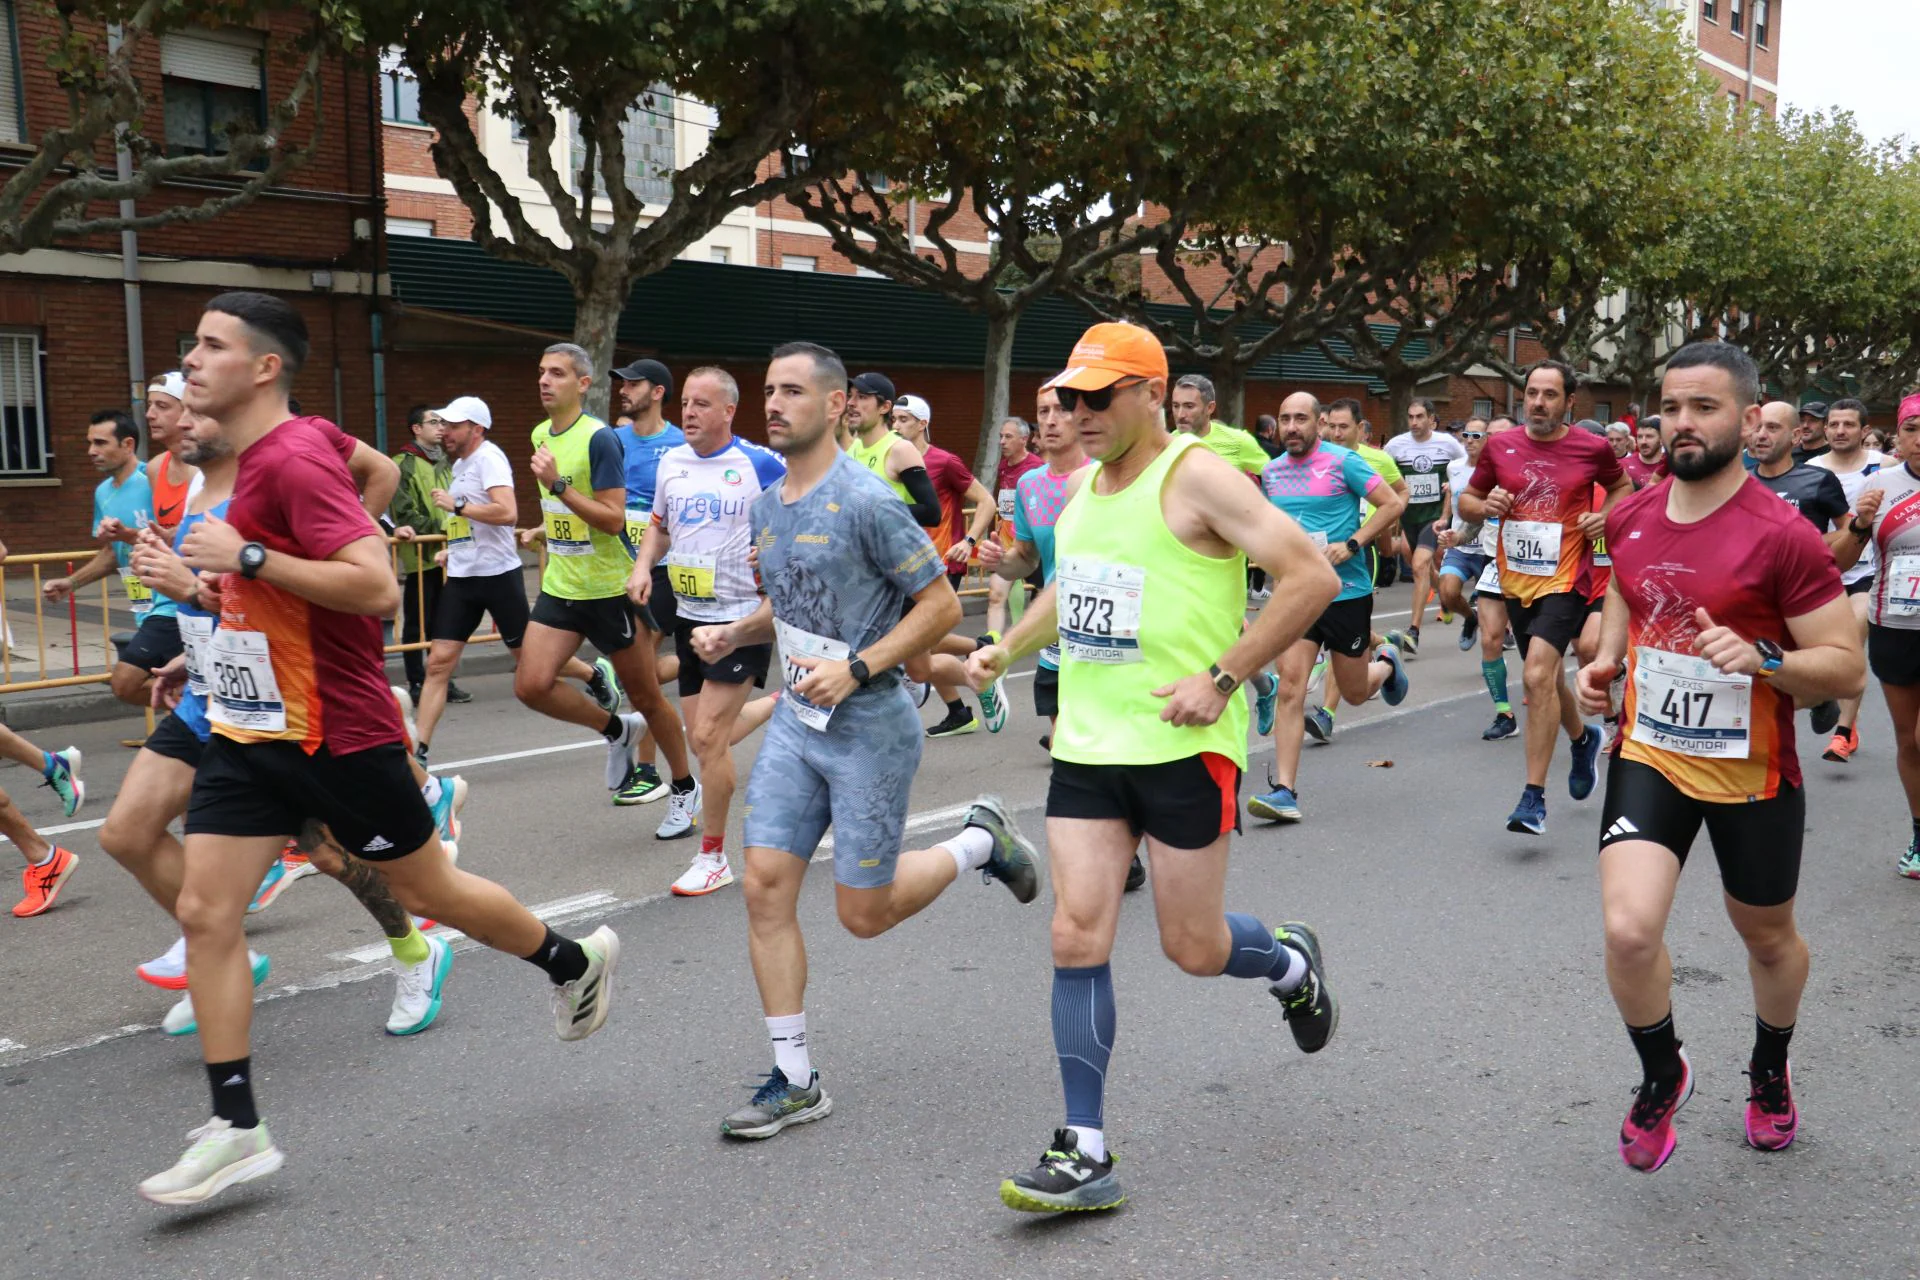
x: 376, y: 845
x: 1620, y: 829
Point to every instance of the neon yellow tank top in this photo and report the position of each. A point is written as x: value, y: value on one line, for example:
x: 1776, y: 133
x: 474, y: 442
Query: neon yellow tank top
x: 1140, y: 609
x: 874, y: 458
x: 582, y: 562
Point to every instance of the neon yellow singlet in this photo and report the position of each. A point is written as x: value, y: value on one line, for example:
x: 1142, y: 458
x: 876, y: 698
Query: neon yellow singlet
x: 1140, y: 609
x: 874, y: 458
x: 582, y: 562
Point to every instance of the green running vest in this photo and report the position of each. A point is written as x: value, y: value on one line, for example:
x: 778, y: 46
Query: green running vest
x: 582, y: 562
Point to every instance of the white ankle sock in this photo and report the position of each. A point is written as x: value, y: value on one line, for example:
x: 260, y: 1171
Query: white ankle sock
x: 44, y: 861
x: 1093, y: 1143
x: 970, y: 849
x: 1296, y: 973
x: 789, y: 1036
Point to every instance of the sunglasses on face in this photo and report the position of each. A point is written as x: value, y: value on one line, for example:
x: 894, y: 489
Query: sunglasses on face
x: 1473, y: 435
x: 1098, y: 401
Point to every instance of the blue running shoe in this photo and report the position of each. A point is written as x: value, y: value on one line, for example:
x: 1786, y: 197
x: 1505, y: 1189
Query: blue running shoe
x: 1586, y: 764
x: 1266, y: 701
x: 1529, y: 817
x: 1277, y: 805
x: 446, y: 811
x: 1320, y: 725
x: 62, y: 773
x: 1394, y: 691
x: 269, y: 887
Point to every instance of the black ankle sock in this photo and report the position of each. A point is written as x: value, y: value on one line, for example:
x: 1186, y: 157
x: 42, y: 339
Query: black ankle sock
x: 560, y: 958
x: 681, y: 786
x: 1658, y: 1048
x: 232, y: 1085
x: 614, y: 728
x: 957, y: 707
x: 1770, y: 1046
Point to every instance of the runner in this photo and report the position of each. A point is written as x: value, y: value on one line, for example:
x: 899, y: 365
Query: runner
x: 1474, y: 555
x: 1812, y: 440
x: 1724, y: 608
x: 1152, y: 552
x: 48, y: 865
x: 1890, y: 503
x: 305, y: 726
x: 839, y: 557
x: 1193, y: 406
x: 1848, y: 458
x: 1017, y: 458
x: 1424, y: 456
x: 424, y: 468
x: 1620, y: 440
x: 1320, y: 486
x: 167, y: 475
x: 701, y: 530
x: 581, y: 468
x: 1540, y: 485
x: 1462, y: 561
x: 876, y: 446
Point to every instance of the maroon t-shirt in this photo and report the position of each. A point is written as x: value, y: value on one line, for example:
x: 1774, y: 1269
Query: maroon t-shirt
x: 1005, y: 491
x: 1542, y: 550
x: 1639, y: 472
x: 951, y: 480
x: 293, y: 494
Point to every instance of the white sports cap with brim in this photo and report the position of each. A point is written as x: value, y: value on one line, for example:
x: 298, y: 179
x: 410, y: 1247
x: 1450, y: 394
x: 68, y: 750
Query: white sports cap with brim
x: 916, y: 406
x: 169, y: 384
x: 467, y: 409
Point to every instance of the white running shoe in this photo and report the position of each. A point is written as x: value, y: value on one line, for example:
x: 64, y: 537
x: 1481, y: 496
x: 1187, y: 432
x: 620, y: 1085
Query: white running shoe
x: 167, y: 971
x: 417, y: 990
x: 180, y: 1020
x: 580, y: 1007
x: 620, y: 750
x: 683, y: 814
x: 708, y: 872
x: 220, y: 1156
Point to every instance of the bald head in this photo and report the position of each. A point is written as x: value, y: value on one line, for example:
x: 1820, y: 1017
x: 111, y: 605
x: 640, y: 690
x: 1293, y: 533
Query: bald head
x: 1299, y: 426
x: 1772, y: 437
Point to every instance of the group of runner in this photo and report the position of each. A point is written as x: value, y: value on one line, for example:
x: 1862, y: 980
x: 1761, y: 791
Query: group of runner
x: 286, y: 750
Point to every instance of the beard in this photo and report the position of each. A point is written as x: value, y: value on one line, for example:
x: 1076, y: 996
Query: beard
x: 1711, y: 458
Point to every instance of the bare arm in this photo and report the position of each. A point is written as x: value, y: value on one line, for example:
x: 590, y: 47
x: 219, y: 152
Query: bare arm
x: 984, y: 510
x: 356, y: 579
x: 1387, y: 514
x: 1826, y: 662
x: 604, y: 509
x: 376, y: 476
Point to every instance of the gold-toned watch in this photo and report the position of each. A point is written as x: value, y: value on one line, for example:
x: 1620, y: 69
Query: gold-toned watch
x: 1221, y: 680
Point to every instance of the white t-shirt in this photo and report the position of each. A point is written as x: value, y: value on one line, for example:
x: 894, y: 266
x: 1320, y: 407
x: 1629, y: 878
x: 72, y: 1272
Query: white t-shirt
x: 703, y: 504
x: 1853, y: 482
x: 476, y: 550
x: 1459, y: 471
x: 1423, y: 463
x: 1894, y: 600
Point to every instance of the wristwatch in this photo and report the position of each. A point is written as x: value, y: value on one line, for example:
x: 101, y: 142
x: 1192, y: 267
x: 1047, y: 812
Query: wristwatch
x: 252, y: 557
x: 459, y: 505
x: 1771, y: 657
x: 1353, y: 547
x: 1221, y: 680
x: 558, y: 487
x: 857, y: 668
x: 1853, y: 527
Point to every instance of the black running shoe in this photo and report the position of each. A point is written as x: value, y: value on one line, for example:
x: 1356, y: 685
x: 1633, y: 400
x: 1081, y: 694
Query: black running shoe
x: 457, y: 695
x: 1066, y: 1180
x: 1822, y: 717
x: 957, y: 722
x: 1469, y: 629
x: 1015, y: 862
x: 1503, y: 726
x: 1136, y: 874
x: 1310, y: 1009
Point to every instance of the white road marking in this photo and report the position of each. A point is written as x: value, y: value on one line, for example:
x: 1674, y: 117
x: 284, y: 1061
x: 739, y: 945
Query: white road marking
x: 559, y: 911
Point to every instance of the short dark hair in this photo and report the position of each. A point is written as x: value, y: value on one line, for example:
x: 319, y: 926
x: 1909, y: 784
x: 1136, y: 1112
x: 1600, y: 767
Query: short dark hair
x: 1351, y: 405
x: 1729, y: 359
x: 1849, y: 403
x: 418, y: 414
x: 274, y: 321
x: 828, y: 369
x: 123, y: 426
x: 1560, y: 367
x: 1266, y: 422
x: 1423, y: 402
x: 293, y: 405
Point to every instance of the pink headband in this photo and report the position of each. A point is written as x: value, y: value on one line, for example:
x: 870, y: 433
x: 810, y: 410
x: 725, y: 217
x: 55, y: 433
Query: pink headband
x: 1909, y: 408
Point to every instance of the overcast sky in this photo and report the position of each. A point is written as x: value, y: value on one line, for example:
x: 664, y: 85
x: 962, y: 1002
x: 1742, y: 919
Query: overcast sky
x: 1854, y: 54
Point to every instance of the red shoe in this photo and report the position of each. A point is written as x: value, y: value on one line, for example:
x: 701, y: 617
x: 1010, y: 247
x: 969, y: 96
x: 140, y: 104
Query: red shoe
x: 42, y: 883
x: 1845, y: 742
x: 1646, y: 1139
x: 1772, y: 1119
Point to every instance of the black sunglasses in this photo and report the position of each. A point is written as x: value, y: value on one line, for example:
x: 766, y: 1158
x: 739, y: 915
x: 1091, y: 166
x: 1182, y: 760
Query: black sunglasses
x: 1098, y: 401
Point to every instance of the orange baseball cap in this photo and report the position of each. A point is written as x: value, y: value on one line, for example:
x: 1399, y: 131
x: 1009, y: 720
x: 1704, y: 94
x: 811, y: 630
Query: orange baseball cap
x: 1107, y: 353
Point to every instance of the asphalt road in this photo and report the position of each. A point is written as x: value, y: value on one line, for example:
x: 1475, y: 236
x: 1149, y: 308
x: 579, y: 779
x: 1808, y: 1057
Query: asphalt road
x: 1461, y: 1124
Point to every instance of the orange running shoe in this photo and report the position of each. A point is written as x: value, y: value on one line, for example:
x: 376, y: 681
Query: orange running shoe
x: 43, y: 883
x: 1845, y: 742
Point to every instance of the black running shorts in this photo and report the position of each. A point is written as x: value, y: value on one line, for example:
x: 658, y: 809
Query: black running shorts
x: 1046, y: 692
x: 746, y: 663
x: 1757, y: 843
x: 1345, y: 627
x: 1183, y: 804
x: 608, y: 624
x: 1894, y: 655
x: 367, y: 798
x: 155, y: 644
x: 171, y: 738
x: 463, y: 601
x: 1554, y: 620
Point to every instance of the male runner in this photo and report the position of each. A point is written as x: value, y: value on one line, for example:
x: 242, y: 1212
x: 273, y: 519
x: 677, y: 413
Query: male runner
x: 48, y: 865
x: 1193, y: 405
x: 1620, y: 440
x: 581, y: 467
x: 701, y: 531
x: 1724, y: 608
x: 1848, y: 458
x: 1017, y: 458
x: 839, y: 557
x: 1151, y: 598
x: 305, y: 726
x: 1539, y: 482
x: 1423, y: 455
x: 167, y: 475
x: 1647, y: 464
x: 875, y: 445
x: 1812, y: 439
x: 1461, y: 560
x: 424, y: 468
x: 1320, y: 485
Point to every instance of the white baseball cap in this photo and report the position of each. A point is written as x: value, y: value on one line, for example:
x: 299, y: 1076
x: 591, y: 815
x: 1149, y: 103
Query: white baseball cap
x: 467, y: 409
x: 169, y: 384
x: 916, y: 406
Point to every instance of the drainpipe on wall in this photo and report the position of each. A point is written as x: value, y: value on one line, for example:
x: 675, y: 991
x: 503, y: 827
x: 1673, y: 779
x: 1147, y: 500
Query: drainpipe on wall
x: 1752, y: 32
x: 130, y: 274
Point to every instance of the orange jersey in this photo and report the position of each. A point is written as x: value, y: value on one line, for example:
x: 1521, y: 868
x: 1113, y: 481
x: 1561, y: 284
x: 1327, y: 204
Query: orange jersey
x: 170, y: 479
x: 1542, y: 551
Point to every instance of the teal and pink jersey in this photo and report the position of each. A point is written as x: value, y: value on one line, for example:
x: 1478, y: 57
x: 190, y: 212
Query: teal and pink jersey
x: 1322, y: 490
x: 1040, y: 495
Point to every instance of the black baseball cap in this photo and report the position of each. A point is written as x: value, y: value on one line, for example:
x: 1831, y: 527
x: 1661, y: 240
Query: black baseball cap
x: 877, y: 385
x: 647, y: 371
x: 1814, y: 409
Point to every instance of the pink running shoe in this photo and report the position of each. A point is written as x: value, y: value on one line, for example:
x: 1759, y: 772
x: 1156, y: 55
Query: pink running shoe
x: 1772, y: 1119
x: 1646, y: 1139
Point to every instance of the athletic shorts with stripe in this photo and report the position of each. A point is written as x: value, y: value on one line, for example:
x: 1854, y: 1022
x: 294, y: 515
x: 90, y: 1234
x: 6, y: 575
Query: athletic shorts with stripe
x: 855, y: 775
x: 1183, y: 804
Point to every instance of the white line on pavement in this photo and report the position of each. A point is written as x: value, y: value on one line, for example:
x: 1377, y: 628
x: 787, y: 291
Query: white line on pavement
x: 560, y: 909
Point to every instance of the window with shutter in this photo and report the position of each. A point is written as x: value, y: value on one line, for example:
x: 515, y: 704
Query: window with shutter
x: 13, y: 125
x: 23, y: 422
x: 214, y: 84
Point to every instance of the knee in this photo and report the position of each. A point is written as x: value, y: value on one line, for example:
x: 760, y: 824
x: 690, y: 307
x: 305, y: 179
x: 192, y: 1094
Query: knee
x: 1543, y: 677
x: 1076, y: 939
x: 1200, y: 954
x: 126, y: 682
x: 1772, y: 944
x: 864, y: 918
x: 530, y: 686
x: 709, y: 741
x: 202, y: 921
x: 1633, y: 941
x: 1293, y: 686
x: 763, y: 888
x: 440, y: 662
x: 121, y: 839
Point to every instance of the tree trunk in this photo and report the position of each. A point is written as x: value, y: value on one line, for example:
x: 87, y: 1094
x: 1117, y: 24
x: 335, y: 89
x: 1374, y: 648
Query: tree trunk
x: 597, y: 304
x: 1229, y: 392
x: 995, y: 374
x: 1400, y: 389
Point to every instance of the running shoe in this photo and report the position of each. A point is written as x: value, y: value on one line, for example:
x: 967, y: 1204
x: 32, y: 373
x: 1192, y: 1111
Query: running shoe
x: 993, y: 705
x: 1646, y: 1139
x: 633, y: 727
x: 1843, y: 744
x: 63, y: 775
x: 1311, y: 1011
x: 219, y: 1156
x: 1469, y: 630
x: 1067, y: 1180
x: 279, y: 878
x: 603, y: 686
x: 446, y: 813
x: 1509, y: 644
x: 1136, y: 874
x: 958, y: 721
x: 1823, y: 717
x: 180, y: 1021
x: 1529, y: 817
x: 168, y: 971
x: 1409, y: 643
x: 41, y: 884
x: 776, y: 1104
x: 1320, y: 725
x: 580, y: 1007
x: 1014, y: 863
x: 1266, y: 701
x: 1399, y: 640
x: 420, y: 751
x: 1909, y: 864
x: 1394, y: 691
x: 683, y: 815
x: 1585, y: 770
x: 455, y: 694
x: 1772, y: 1119
x: 1278, y: 805
x: 417, y: 989
x: 708, y: 873
x: 644, y: 785
x: 1503, y: 726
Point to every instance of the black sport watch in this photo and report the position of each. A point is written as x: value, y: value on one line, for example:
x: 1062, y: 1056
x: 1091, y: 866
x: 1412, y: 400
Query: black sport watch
x: 1353, y: 547
x: 1772, y: 657
x: 253, y: 557
x: 857, y: 668
x: 558, y: 487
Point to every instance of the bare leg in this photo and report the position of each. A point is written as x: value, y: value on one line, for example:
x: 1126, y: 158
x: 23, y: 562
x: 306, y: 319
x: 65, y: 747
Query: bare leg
x: 640, y: 674
x: 775, y: 947
x: 15, y: 827
x: 18, y: 749
x: 135, y: 835
x: 222, y: 873
x: 536, y: 679
x: 711, y: 721
x: 1777, y: 959
x: 442, y: 658
x: 1637, y: 883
